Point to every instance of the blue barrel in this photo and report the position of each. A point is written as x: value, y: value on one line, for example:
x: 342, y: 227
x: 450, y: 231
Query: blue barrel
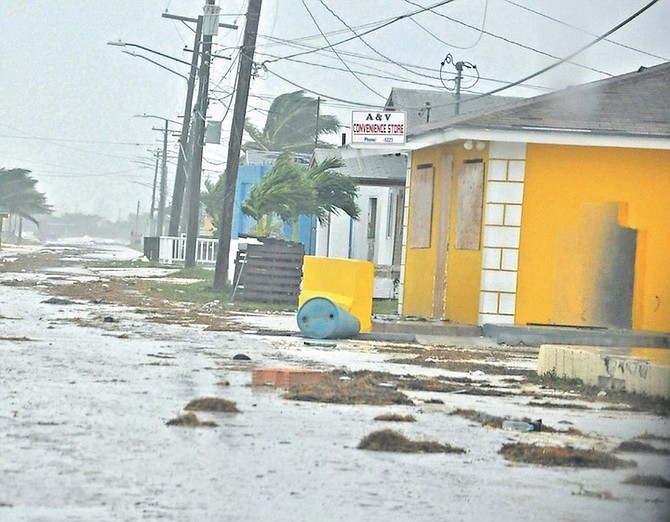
x: 321, y: 318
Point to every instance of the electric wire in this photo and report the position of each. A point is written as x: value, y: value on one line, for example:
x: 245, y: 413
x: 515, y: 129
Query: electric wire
x: 376, y: 28
x: 614, y: 42
x: 512, y: 42
x: 449, y: 44
x: 360, y: 37
x: 567, y: 58
x: 309, y: 12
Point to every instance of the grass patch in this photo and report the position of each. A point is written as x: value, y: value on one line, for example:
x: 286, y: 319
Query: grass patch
x: 339, y: 388
x: 552, y: 380
x: 194, y: 272
x: 654, y: 481
x: 127, y: 263
x: 389, y: 440
x: 385, y: 306
x: 395, y: 417
x: 563, y: 456
x: 212, y: 404
x: 190, y: 420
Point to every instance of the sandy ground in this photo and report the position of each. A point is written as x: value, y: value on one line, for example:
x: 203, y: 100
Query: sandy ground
x: 86, y: 390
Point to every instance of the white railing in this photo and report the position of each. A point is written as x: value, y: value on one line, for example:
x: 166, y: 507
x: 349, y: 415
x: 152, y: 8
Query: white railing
x: 173, y: 250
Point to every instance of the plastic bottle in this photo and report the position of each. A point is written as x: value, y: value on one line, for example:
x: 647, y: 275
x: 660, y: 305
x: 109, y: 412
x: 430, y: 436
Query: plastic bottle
x: 514, y: 425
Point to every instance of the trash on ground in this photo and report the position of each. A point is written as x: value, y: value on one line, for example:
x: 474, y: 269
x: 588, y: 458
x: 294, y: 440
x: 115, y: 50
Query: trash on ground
x: 517, y: 425
x: 322, y: 344
x: 389, y: 440
x: 285, y: 377
x: 361, y: 389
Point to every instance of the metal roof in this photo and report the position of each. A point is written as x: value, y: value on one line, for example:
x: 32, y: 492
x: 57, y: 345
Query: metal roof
x: 633, y: 104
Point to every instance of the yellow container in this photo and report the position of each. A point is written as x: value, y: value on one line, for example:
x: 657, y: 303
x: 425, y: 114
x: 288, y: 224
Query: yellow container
x: 349, y: 283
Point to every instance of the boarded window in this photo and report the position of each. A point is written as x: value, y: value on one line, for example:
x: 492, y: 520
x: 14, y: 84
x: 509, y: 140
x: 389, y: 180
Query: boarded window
x: 469, y: 206
x: 421, y: 207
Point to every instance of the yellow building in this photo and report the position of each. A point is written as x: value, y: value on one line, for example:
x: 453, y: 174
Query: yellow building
x: 553, y: 210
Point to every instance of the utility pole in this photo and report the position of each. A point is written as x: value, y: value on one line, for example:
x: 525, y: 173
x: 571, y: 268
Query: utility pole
x: 182, y: 161
x: 235, y: 142
x: 449, y: 59
x: 459, y: 75
x: 316, y: 131
x: 163, y: 184
x: 153, y: 199
x: 197, y: 145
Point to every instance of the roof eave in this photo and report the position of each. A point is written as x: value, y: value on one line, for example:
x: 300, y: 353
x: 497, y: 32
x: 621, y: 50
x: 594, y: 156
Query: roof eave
x: 536, y: 135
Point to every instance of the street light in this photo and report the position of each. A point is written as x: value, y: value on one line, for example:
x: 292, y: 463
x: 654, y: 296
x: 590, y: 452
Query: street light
x: 133, y: 53
x: 180, y: 176
x: 121, y: 43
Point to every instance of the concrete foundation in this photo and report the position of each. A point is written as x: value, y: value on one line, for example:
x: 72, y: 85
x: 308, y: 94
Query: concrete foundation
x: 609, y: 368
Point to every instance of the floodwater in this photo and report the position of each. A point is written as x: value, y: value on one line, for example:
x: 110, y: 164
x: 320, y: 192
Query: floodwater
x: 83, y: 436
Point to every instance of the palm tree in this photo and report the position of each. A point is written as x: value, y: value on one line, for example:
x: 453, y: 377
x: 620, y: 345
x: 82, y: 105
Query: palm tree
x: 19, y: 196
x: 291, y: 125
x: 290, y: 191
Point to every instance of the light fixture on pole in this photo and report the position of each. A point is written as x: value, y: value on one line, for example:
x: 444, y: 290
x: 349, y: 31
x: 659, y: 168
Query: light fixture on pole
x: 182, y: 161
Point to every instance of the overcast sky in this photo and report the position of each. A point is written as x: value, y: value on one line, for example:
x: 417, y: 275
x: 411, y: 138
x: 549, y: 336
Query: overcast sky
x: 68, y: 100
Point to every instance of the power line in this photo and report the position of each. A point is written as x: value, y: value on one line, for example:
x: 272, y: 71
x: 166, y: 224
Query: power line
x: 513, y: 42
x: 614, y: 42
x: 360, y: 37
x: 479, y: 38
x: 567, y: 58
x: 336, y: 53
x: 376, y: 28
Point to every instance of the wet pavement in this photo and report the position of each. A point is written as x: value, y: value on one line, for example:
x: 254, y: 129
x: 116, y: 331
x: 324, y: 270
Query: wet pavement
x: 84, y: 404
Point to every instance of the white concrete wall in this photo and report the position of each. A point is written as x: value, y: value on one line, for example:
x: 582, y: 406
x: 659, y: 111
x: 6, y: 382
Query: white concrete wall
x: 502, y: 231
x: 347, y: 238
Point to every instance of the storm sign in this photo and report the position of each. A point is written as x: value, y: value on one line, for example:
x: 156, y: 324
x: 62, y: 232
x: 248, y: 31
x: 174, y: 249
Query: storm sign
x: 378, y: 127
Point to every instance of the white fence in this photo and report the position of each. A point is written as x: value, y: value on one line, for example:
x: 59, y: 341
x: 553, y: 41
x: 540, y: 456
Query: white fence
x: 173, y: 250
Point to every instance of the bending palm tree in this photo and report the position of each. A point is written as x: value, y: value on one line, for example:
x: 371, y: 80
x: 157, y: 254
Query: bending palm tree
x: 290, y: 191
x: 292, y: 124
x: 19, y: 196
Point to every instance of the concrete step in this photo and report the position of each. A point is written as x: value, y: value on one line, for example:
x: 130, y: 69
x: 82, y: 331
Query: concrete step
x: 637, y: 370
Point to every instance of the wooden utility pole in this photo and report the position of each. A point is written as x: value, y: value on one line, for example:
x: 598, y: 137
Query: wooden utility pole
x: 182, y: 161
x: 235, y: 142
x: 163, y: 184
x: 195, y: 157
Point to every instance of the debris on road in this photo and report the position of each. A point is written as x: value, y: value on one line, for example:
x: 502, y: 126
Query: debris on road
x: 395, y: 417
x: 191, y: 420
x: 393, y: 441
x: 212, y: 404
x: 567, y: 456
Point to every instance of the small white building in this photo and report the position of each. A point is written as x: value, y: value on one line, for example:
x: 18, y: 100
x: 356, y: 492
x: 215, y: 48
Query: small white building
x: 377, y: 235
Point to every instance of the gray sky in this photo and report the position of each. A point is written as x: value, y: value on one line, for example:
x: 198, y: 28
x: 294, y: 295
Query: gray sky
x: 68, y: 100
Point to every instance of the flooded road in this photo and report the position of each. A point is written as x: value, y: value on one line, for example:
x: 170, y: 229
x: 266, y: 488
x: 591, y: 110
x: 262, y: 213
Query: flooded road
x: 86, y: 390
